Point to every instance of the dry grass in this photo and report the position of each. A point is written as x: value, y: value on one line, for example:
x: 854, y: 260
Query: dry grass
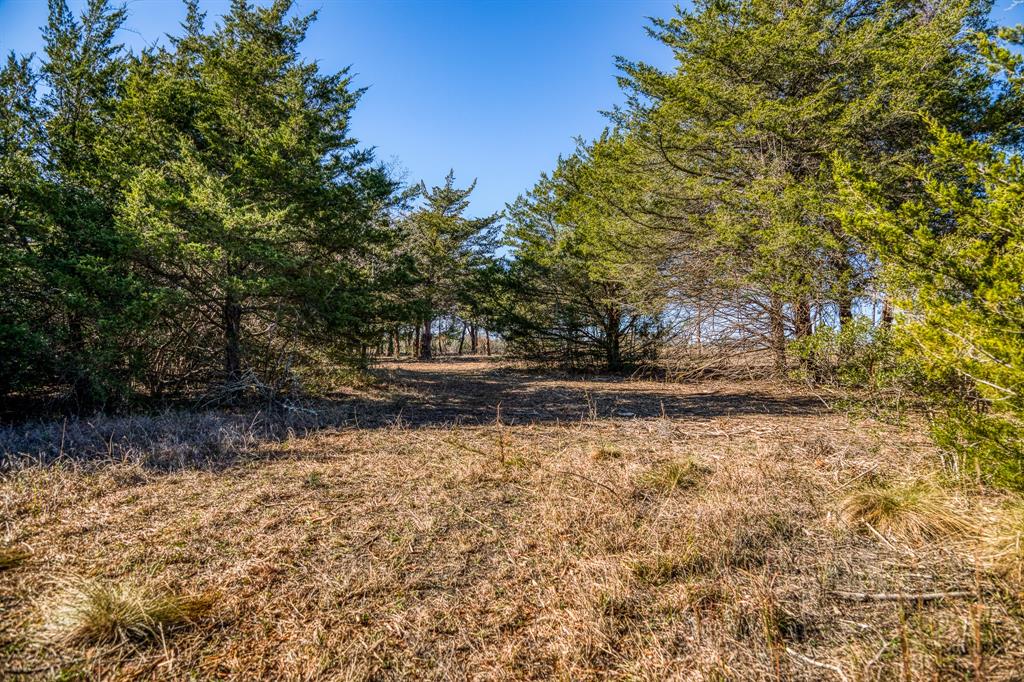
x: 98, y: 613
x: 669, y: 477
x: 12, y: 557
x: 915, y: 511
x: 1003, y: 543
x: 427, y: 540
x: 605, y: 452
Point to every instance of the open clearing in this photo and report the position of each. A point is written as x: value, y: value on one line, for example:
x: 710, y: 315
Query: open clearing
x: 475, y: 521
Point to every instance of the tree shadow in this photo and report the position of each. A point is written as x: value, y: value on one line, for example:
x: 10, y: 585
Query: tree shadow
x: 490, y: 394
x: 420, y: 396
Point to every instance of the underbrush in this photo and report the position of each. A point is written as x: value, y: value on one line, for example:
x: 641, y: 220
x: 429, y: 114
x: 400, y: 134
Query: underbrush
x: 167, y: 440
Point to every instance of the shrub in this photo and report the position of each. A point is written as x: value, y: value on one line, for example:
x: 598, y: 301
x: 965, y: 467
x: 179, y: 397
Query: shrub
x: 860, y: 354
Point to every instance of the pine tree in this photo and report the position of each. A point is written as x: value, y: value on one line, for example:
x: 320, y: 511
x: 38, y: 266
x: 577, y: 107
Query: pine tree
x: 955, y: 255
x: 447, y: 248
x: 256, y: 214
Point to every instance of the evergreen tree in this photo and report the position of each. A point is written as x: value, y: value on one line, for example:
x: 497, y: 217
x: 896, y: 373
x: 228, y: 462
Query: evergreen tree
x: 447, y: 248
x: 733, y: 147
x: 255, y: 213
x: 955, y: 255
x: 578, y: 293
x: 74, y: 298
x: 24, y: 356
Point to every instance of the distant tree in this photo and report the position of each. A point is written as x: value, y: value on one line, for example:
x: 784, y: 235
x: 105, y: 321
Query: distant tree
x: 574, y: 295
x: 447, y: 248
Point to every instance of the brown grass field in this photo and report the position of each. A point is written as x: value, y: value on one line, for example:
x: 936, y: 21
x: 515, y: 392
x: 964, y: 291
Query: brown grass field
x: 468, y: 520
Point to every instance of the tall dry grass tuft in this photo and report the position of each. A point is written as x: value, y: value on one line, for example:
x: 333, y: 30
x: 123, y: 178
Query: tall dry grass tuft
x: 92, y: 612
x: 1003, y: 543
x: 912, y: 511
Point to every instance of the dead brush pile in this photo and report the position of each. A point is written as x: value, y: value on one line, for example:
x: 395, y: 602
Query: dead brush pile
x: 706, y: 535
x: 172, y: 439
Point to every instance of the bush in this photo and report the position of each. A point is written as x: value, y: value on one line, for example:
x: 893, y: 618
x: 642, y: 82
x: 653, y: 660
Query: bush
x: 859, y: 355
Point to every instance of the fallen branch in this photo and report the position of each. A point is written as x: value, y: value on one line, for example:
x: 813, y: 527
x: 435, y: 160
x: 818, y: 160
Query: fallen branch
x: 590, y: 480
x: 901, y: 596
x: 817, y: 664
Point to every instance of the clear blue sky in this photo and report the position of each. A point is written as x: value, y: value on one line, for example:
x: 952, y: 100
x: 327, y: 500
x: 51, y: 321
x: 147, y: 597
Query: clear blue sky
x: 495, y: 90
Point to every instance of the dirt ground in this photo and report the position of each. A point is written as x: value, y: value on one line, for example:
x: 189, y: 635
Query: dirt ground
x: 470, y: 520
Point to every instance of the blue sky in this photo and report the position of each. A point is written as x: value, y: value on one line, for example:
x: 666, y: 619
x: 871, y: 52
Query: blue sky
x: 495, y: 90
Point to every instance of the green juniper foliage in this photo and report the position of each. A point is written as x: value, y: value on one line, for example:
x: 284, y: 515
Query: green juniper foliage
x: 449, y: 250
x: 580, y: 297
x: 73, y: 295
x: 956, y: 257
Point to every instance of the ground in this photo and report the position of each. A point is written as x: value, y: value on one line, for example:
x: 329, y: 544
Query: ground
x: 474, y: 520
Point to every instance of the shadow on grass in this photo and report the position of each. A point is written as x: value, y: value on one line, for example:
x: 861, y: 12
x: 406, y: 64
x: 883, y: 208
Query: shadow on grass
x: 423, y: 396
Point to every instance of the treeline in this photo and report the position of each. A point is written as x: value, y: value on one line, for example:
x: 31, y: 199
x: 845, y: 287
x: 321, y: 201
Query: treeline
x: 197, y: 219
x: 832, y: 185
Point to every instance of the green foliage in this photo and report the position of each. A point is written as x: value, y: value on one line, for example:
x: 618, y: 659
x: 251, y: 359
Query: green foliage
x: 956, y: 256
x: 574, y: 294
x: 452, y: 255
x: 738, y: 137
x: 23, y: 345
x: 860, y: 354
x: 73, y: 297
x: 243, y: 185
x: 195, y: 215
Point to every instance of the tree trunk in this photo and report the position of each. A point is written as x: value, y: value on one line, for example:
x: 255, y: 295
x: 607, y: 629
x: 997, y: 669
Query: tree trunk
x: 472, y: 339
x: 845, y: 311
x: 391, y: 345
x: 613, y: 345
x: 886, y: 313
x: 487, y: 340
x: 81, y: 386
x: 845, y: 297
x: 778, y: 335
x: 462, y: 339
x: 232, y: 338
x: 414, y: 350
x: 803, y: 327
x: 426, y: 340
x: 396, y: 338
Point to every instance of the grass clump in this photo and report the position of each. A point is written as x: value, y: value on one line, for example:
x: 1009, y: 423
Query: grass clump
x: 670, y: 477
x: 12, y: 557
x: 314, y: 481
x: 604, y: 453
x: 90, y: 612
x: 664, y: 567
x: 748, y: 545
x: 913, y: 511
x: 1003, y: 544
